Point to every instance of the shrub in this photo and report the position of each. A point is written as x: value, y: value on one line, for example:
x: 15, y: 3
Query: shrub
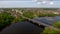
x: 49, y: 15
x: 5, y: 19
x: 29, y: 15
x: 51, y: 31
x: 18, y: 19
x: 57, y: 24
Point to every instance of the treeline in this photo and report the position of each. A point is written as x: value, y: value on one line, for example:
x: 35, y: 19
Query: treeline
x: 7, y: 19
x: 8, y: 16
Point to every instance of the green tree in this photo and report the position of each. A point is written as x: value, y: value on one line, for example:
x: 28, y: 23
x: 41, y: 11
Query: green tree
x: 51, y: 31
x: 29, y: 14
x: 46, y: 14
x: 18, y: 19
x: 5, y: 19
x: 57, y: 24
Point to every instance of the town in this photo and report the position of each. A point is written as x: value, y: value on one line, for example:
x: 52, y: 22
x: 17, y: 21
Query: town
x: 48, y: 19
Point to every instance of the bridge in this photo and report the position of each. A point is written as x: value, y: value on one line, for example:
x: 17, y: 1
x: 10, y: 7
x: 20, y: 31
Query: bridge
x: 40, y: 23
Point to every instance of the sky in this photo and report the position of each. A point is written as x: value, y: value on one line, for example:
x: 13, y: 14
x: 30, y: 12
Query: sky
x: 15, y: 0
x: 26, y: 0
x: 27, y: 4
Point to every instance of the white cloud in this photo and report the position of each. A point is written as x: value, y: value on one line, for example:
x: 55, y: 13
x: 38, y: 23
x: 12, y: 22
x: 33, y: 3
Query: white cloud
x: 38, y: 2
x: 35, y: 0
x: 51, y: 3
x: 44, y: 2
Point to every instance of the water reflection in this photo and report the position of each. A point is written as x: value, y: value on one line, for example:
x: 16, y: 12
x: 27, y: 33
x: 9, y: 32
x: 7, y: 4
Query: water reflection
x: 26, y: 27
x: 48, y: 20
x: 23, y: 27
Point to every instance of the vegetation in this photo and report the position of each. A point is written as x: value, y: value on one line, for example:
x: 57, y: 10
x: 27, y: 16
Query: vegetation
x: 57, y: 24
x: 49, y: 15
x: 18, y: 19
x: 5, y: 19
x: 29, y: 15
x: 51, y: 31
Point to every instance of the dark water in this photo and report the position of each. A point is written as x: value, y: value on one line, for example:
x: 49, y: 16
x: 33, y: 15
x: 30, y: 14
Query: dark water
x: 24, y: 28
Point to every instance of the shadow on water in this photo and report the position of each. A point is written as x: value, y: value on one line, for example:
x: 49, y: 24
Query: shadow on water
x: 24, y: 27
x: 4, y: 26
x: 28, y: 26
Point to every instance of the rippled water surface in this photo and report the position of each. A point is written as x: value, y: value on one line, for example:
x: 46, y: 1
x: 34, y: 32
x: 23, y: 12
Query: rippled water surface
x: 48, y: 20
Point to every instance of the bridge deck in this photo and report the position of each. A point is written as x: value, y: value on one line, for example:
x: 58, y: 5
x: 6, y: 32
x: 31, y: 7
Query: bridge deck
x: 40, y: 23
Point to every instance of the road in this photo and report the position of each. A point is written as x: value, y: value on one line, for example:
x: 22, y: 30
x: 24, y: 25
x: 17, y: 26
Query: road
x: 41, y: 23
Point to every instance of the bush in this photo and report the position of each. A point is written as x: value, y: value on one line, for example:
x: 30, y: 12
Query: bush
x: 5, y: 19
x: 49, y: 15
x: 42, y: 15
x: 18, y: 19
x: 57, y: 24
x: 51, y: 31
x: 29, y: 15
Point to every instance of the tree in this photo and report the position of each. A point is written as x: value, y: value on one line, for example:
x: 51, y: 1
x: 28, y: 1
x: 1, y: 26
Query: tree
x: 18, y: 19
x: 29, y: 14
x: 57, y: 24
x: 51, y: 31
x: 5, y: 19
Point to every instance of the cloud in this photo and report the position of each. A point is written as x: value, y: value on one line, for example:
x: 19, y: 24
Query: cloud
x: 22, y: 4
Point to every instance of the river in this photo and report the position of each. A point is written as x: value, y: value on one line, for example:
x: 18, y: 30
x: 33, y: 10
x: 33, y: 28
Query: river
x: 48, y: 20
